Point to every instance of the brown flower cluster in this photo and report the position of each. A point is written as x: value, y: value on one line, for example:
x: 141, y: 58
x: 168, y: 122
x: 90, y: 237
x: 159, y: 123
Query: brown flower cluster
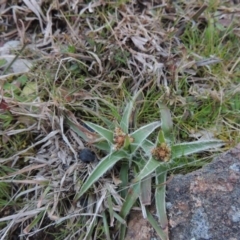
x: 162, y: 152
x: 120, y: 137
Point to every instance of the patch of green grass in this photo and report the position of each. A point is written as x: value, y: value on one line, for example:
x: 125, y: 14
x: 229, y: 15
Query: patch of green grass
x: 208, y: 107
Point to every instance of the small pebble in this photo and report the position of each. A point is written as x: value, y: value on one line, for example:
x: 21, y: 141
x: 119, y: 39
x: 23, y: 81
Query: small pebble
x: 86, y: 155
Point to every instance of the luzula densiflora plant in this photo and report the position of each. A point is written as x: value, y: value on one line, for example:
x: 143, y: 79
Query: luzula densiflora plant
x: 143, y: 158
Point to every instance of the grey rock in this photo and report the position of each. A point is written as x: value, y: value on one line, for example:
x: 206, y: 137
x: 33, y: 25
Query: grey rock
x: 205, y: 204
x: 87, y: 156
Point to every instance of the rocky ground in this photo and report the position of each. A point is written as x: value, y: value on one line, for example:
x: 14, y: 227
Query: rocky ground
x: 202, y: 205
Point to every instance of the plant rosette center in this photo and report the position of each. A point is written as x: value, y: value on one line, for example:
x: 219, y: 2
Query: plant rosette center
x: 162, y: 152
x: 120, y: 138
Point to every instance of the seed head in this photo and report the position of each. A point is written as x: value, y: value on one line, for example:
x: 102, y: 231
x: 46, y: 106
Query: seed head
x: 119, y: 138
x: 162, y: 152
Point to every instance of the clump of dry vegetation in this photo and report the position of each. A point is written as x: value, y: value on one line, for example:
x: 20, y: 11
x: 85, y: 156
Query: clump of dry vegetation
x: 86, y: 59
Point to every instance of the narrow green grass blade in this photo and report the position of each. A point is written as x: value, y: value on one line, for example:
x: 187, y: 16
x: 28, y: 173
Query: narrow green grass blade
x: 106, y: 163
x: 36, y: 221
x: 141, y: 134
x: 150, y: 166
x: 113, y: 109
x: 135, y: 113
x: 14, y: 59
x: 167, y: 123
x: 160, y: 194
x: 184, y: 149
x: 122, y: 232
x: 161, y: 138
x: 5, y: 190
x: 119, y: 218
x: 132, y: 196
x: 124, y: 178
x: 106, y: 227
x: 103, y: 132
x: 155, y: 225
x: 124, y: 124
x: 106, y: 121
x: 90, y: 229
x: 110, y: 208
